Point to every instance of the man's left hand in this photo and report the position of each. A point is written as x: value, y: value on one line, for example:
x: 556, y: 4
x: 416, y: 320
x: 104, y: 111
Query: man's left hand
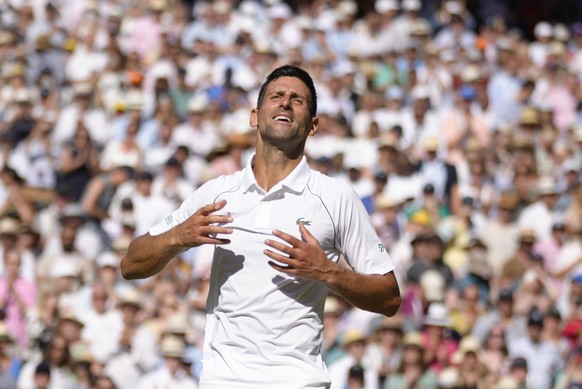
x: 304, y: 258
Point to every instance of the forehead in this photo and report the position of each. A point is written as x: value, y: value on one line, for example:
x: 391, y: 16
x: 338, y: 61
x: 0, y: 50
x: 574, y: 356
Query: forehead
x: 288, y: 84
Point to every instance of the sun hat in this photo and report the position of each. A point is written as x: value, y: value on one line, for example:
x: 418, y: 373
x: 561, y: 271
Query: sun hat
x: 437, y: 316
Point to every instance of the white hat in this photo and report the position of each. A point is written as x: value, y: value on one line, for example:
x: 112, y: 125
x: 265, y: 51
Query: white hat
x: 332, y: 306
x: 411, y: 5
x: 107, y: 258
x: 343, y: 68
x: 449, y: 377
x: 561, y: 32
x: 249, y: 8
x: 420, y: 27
x: 438, y: 315
x: 22, y: 96
x: 571, y: 165
x: 394, y: 93
x: 134, y: 100
x: 347, y: 7
x: 507, y: 382
x: 546, y: 186
x: 470, y: 73
x: 280, y: 11
x: 420, y: 92
x: 64, y: 268
x: 432, y: 284
x: 383, y: 6
x: 543, y: 30
x: 453, y: 7
x: 198, y: 103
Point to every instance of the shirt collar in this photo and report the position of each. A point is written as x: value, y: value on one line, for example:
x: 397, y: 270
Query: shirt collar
x: 294, y: 182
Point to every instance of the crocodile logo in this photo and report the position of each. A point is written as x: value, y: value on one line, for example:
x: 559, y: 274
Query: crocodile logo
x: 304, y: 222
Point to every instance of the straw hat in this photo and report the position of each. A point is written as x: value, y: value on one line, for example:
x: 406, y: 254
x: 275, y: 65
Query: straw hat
x: 178, y: 323
x: 413, y: 338
x: 353, y: 336
x: 71, y: 318
x: 172, y: 347
x: 132, y: 298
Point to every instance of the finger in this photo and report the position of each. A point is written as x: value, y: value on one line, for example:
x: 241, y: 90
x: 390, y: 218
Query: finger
x: 293, y: 241
x: 306, y: 235
x: 282, y: 259
x: 217, y: 241
x: 209, y: 208
x: 215, y: 230
x: 217, y: 219
x: 279, y: 246
x: 284, y: 269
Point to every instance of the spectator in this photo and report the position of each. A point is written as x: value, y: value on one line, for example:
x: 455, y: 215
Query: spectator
x: 413, y: 369
x: 17, y: 295
x: 543, y: 358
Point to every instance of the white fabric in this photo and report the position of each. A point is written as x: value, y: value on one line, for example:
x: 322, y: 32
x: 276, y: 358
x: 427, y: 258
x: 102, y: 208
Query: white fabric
x: 538, y: 217
x: 264, y: 328
x: 162, y: 378
x: 102, y: 332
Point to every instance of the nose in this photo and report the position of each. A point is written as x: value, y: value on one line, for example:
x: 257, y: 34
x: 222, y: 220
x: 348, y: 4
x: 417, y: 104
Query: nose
x: 286, y: 101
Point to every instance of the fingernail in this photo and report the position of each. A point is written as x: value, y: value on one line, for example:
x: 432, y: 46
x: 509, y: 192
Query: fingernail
x: 267, y: 241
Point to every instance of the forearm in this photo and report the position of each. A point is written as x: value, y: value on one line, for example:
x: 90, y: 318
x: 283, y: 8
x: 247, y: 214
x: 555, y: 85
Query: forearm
x: 374, y: 292
x: 148, y: 255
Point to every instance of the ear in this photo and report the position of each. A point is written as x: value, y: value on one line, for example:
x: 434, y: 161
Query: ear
x: 314, y: 124
x: 254, y: 120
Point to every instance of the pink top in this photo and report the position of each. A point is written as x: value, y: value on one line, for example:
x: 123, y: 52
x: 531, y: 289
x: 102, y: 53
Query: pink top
x: 15, y: 320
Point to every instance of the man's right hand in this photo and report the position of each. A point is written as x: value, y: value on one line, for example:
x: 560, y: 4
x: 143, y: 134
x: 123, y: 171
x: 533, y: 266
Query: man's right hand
x: 203, y: 226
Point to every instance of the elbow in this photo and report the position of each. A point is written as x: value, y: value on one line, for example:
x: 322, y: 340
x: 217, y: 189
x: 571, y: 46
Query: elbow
x: 392, y: 305
x: 127, y: 272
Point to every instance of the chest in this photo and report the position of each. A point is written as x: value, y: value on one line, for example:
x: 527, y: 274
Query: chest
x: 283, y: 211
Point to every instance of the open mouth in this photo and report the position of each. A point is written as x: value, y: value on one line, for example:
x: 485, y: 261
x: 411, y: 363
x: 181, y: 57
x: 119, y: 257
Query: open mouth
x: 282, y: 118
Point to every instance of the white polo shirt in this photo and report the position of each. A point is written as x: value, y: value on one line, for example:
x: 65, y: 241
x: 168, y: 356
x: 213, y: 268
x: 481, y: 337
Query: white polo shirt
x: 264, y: 328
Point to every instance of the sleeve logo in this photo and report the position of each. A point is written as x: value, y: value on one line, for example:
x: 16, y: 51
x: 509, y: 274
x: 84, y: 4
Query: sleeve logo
x: 381, y: 247
x: 169, y: 219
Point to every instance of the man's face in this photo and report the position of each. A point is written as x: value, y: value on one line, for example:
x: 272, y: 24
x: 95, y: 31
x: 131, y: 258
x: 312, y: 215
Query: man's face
x: 283, y: 119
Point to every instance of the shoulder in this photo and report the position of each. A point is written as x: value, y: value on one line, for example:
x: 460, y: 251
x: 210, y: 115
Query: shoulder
x: 215, y: 187
x: 330, y: 188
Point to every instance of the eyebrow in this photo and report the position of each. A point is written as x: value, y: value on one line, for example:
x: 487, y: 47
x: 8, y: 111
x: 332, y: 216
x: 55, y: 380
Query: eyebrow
x: 292, y: 93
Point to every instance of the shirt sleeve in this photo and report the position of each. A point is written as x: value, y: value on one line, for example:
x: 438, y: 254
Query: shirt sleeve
x: 204, y: 195
x: 358, y: 239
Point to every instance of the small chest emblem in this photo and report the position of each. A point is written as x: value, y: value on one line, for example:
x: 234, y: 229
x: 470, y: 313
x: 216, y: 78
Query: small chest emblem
x: 304, y: 222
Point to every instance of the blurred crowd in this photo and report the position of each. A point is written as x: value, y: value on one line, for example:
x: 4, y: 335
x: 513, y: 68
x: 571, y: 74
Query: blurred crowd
x: 463, y: 140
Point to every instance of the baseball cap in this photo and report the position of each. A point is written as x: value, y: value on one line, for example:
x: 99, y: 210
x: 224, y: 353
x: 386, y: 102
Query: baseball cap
x: 535, y: 318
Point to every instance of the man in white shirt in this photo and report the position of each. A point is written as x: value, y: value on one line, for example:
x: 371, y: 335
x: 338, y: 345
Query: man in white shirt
x: 280, y: 229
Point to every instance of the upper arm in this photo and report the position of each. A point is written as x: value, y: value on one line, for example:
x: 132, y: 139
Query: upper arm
x: 358, y: 240
x: 92, y: 193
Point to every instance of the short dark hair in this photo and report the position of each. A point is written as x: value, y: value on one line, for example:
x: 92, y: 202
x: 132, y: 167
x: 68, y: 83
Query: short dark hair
x: 291, y: 71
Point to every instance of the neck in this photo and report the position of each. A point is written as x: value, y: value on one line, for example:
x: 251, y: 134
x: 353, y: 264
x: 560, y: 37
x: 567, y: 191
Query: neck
x: 271, y: 166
